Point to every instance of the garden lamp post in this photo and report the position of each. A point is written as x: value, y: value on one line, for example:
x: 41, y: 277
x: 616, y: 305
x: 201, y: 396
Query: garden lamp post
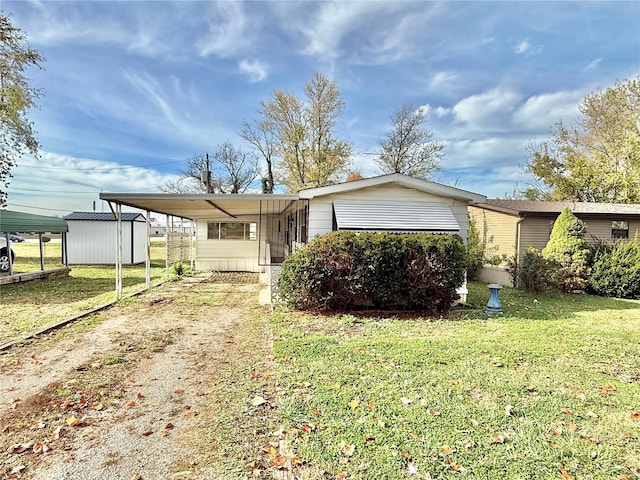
x: 493, y: 305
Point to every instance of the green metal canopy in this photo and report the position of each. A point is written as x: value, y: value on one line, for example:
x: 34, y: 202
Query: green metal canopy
x: 20, y: 222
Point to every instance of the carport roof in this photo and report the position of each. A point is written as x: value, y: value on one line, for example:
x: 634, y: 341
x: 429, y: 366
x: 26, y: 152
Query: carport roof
x: 20, y: 222
x: 195, y: 206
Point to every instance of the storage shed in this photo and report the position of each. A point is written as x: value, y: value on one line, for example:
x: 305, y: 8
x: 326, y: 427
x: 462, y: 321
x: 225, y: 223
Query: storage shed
x: 92, y: 238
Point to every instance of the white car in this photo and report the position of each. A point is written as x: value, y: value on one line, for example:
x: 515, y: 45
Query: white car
x: 4, y: 254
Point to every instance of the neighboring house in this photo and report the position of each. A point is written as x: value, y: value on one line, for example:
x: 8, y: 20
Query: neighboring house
x: 511, y: 226
x: 248, y: 232
x: 92, y: 238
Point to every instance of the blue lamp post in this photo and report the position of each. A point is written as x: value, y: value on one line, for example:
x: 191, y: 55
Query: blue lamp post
x: 493, y: 306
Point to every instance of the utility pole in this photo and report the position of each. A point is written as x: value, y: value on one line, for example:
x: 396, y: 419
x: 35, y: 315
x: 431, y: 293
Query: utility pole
x: 205, y: 175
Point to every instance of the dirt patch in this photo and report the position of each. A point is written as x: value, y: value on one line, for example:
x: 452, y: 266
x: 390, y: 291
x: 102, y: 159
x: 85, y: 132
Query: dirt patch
x: 142, y: 393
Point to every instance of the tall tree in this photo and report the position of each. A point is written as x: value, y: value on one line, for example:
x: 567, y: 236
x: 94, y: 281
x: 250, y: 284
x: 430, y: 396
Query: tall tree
x: 308, y: 153
x: 598, y: 159
x: 17, y: 136
x: 228, y: 170
x: 409, y: 147
x: 264, y: 142
x: 238, y: 168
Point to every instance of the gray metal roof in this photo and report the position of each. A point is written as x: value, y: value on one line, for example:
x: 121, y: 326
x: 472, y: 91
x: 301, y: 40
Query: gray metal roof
x: 530, y: 206
x: 103, y: 216
x: 20, y: 222
x: 395, y: 216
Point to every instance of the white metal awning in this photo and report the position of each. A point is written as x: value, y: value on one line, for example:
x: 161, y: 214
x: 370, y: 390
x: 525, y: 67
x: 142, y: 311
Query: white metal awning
x: 395, y: 216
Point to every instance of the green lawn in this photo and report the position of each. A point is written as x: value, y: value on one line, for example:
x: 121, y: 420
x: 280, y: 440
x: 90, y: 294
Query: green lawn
x: 28, y: 306
x: 549, y: 390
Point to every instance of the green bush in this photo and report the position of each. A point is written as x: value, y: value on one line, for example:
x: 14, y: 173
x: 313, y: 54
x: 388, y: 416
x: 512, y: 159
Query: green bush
x: 180, y: 269
x: 346, y: 270
x: 616, y: 270
x: 570, y: 251
x: 533, y: 273
x: 475, y: 250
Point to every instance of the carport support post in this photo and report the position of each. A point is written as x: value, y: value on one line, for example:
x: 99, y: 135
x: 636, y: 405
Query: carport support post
x: 118, y: 214
x: 8, y: 244
x: 147, y: 269
x: 41, y: 252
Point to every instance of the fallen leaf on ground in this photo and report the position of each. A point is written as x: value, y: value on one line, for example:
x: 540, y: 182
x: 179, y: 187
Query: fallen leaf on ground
x: 635, y: 415
x: 347, y: 448
x: 20, y: 447
x: 73, y: 421
x: 191, y: 414
x: 497, y: 438
x: 455, y: 466
x: 179, y: 391
x: 564, y: 474
x: 257, y: 401
x: 354, y: 404
x: 446, y: 450
x: 147, y: 433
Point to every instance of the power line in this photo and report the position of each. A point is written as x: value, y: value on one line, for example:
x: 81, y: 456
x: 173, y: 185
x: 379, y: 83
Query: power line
x: 102, y: 169
x: 11, y: 189
x: 37, y: 208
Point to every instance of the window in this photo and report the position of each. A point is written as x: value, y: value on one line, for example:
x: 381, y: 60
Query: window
x: 619, y: 229
x: 231, y: 231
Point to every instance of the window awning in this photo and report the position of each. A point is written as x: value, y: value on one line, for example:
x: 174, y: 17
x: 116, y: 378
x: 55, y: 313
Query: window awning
x: 395, y: 216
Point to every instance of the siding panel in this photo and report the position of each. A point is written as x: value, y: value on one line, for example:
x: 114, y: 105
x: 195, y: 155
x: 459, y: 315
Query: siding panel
x: 497, y: 230
x: 534, y: 232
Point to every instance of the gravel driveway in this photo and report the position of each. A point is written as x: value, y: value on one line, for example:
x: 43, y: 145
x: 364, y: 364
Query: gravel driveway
x: 128, y: 396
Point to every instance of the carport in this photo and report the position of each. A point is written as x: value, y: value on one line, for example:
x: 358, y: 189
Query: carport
x: 28, y: 223
x: 234, y: 232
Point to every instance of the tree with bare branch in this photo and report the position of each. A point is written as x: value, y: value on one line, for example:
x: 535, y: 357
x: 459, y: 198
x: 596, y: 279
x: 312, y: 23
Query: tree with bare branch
x: 409, y: 147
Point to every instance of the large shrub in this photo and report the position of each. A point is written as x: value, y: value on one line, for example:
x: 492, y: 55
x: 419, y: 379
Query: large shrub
x: 570, y: 251
x: 616, y: 270
x: 344, y: 270
x: 533, y: 273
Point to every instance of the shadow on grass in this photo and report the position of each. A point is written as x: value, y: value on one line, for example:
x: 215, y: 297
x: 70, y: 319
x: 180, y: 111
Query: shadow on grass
x: 83, y: 283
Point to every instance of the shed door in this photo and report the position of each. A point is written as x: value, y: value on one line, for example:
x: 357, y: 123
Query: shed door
x: 395, y: 216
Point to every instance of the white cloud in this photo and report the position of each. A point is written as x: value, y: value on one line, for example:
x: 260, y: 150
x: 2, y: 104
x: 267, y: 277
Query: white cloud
x: 526, y: 48
x: 424, y: 109
x: 256, y: 70
x: 443, y: 79
x: 360, y: 33
x: 62, y: 183
x: 488, y: 109
x: 469, y: 152
x: 541, y: 112
x: 593, y: 64
x: 229, y: 31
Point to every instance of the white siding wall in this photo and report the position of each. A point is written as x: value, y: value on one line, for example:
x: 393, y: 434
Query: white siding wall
x: 94, y: 242
x: 226, y: 255
x: 321, y: 212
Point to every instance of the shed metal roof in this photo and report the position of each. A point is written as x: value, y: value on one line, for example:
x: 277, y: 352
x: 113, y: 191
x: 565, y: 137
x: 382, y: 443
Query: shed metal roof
x: 103, y: 216
x: 20, y: 222
x: 395, y: 216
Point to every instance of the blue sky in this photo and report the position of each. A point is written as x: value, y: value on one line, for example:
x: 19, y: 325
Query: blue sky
x: 134, y: 89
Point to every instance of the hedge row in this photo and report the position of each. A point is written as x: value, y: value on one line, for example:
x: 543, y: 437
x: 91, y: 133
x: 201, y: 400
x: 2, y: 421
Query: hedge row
x: 347, y: 270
